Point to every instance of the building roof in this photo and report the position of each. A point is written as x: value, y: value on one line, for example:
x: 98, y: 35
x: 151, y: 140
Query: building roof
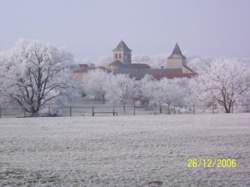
x: 116, y: 63
x: 122, y: 47
x: 189, y: 69
x: 139, y: 66
x: 169, y: 73
x: 139, y: 73
x: 129, y: 66
x: 177, y: 52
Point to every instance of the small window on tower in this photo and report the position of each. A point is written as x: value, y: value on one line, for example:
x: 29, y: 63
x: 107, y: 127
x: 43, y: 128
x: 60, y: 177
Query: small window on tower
x: 116, y: 56
x: 120, y: 55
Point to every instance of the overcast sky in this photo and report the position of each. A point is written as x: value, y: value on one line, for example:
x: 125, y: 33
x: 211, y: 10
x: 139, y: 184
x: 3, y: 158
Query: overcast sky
x: 92, y: 28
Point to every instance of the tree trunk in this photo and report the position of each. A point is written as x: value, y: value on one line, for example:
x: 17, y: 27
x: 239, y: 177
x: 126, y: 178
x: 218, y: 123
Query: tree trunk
x: 160, y: 107
x: 227, y: 108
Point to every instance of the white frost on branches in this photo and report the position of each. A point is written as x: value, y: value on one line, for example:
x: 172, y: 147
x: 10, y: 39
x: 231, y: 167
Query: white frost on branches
x: 34, y: 74
x: 121, y: 89
x: 223, y: 82
x: 165, y: 91
x: 95, y: 84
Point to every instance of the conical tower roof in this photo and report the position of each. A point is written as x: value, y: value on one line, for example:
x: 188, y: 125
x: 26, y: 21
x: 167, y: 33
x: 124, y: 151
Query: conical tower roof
x: 177, y: 52
x: 122, y: 47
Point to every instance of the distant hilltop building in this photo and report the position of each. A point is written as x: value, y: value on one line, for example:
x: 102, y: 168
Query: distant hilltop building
x: 122, y: 53
x: 178, y: 61
x: 122, y: 56
x: 176, y: 65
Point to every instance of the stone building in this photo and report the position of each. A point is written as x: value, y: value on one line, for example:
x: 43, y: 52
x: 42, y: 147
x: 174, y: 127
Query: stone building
x: 122, y: 53
x: 178, y: 60
x: 122, y: 56
x: 176, y: 65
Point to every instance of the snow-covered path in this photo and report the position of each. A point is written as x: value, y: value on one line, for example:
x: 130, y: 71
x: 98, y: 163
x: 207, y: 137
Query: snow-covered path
x: 124, y: 150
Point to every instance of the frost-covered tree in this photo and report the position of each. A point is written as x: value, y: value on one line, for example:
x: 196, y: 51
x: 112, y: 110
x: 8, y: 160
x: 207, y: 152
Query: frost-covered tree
x: 121, y: 89
x: 222, y: 82
x: 151, y: 90
x: 117, y: 89
x: 96, y: 83
x: 33, y: 74
x: 176, y: 91
x: 165, y: 91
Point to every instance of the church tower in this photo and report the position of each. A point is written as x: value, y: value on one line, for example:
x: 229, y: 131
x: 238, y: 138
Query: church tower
x: 122, y: 53
x: 178, y: 61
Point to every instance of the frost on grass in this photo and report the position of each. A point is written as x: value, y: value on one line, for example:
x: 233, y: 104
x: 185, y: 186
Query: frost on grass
x: 123, y: 151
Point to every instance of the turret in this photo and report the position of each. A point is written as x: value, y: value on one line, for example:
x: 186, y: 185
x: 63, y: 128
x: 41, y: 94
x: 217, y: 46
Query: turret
x: 122, y: 53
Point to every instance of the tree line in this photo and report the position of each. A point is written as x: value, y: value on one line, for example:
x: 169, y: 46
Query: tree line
x: 33, y: 74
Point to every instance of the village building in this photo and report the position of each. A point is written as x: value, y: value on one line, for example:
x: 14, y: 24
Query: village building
x: 176, y: 65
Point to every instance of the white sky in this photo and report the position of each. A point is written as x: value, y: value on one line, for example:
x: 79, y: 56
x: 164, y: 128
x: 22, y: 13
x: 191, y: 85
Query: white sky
x: 92, y: 28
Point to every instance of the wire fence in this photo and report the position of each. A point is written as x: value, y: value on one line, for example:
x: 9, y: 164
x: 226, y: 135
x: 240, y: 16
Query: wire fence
x: 112, y: 110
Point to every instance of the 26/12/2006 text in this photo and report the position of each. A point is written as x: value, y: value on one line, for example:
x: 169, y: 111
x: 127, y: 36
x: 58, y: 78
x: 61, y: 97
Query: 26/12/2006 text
x: 212, y: 163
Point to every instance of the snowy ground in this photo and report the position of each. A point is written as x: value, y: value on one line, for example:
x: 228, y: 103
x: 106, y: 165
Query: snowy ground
x: 123, y: 151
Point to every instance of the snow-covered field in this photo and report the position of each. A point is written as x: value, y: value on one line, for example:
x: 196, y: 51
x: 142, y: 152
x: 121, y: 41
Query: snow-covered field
x: 124, y: 151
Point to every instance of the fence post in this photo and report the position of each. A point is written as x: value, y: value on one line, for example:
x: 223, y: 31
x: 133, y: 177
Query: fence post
x: 160, y: 108
x: 113, y: 110
x: 193, y: 109
x: 134, y: 110
x: 93, y: 111
x: 169, y: 112
x: 70, y: 110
